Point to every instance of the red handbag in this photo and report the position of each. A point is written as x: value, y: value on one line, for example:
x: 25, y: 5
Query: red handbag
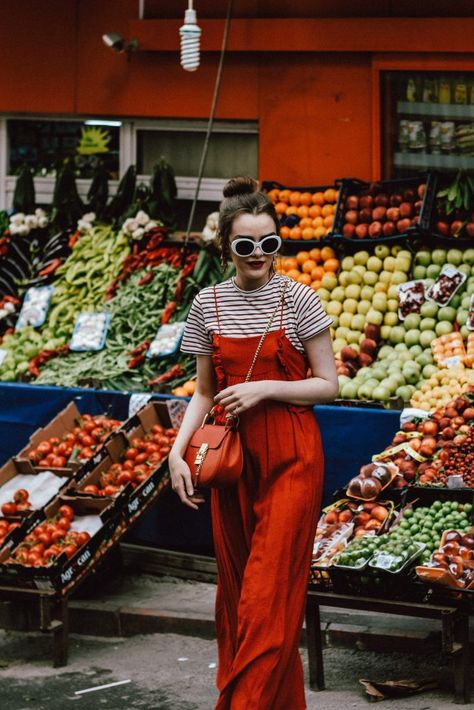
x: 214, y: 453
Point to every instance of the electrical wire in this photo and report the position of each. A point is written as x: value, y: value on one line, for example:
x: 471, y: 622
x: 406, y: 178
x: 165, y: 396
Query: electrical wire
x: 210, y: 123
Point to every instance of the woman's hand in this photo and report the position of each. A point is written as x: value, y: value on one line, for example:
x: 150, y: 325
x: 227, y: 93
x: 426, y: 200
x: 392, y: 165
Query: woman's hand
x: 182, y: 484
x: 238, y: 398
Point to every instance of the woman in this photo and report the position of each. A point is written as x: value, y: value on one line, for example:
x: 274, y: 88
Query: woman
x: 264, y: 526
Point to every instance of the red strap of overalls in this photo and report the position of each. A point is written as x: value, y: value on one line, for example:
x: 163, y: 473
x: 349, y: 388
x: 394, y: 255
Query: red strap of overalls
x: 217, y: 311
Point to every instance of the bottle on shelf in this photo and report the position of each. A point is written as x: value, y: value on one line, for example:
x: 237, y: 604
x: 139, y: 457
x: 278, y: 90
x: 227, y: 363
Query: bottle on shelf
x: 412, y: 92
x: 444, y: 91
x: 430, y: 93
x: 460, y: 91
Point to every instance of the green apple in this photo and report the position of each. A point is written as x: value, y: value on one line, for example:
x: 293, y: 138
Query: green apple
x: 379, y: 302
x: 412, y: 321
x: 381, y: 393
x: 427, y: 324
x: 350, y: 305
x: 468, y: 257
x: 329, y: 281
x: 334, y: 308
x: 343, y: 379
x: 392, y: 291
x: 466, y: 302
x: 390, y: 319
x: 428, y: 283
x: 361, y: 257
x: 426, y: 337
x: 454, y: 256
x: 335, y: 322
x: 389, y: 263
x: 325, y: 295
x: 370, y: 278
x: 402, y: 264
x: 374, y: 317
x: 337, y: 294
x: 354, y: 277
x: 404, y: 357
x: 359, y: 269
x: 345, y: 320
x: 385, y: 277
x: 395, y: 249
x: 353, y: 291
x: 423, y: 258
x: 364, y: 373
x: 344, y: 278
x: 384, y: 351
x: 349, y: 391
x: 365, y: 391
x: 470, y: 288
x: 462, y: 316
x: 455, y: 302
x: 464, y: 269
x: 397, y: 334
x: 433, y: 271
x: 412, y: 337
x: 400, y: 347
x: 465, y: 332
x: 372, y: 381
x: 438, y: 256
x: 353, y: 337
x: 390, y: 383
x: 392, y: 305
x: 342, y: 332
x: 428, y: 371
x: 447, y: 313
x: 415, y: 350
x: 419, y: 272
x: 347, y: 263
x: 374, y: 264
x: 429, y: 309
x: 338, y: 344
x: 411, y: 372
x: 382, y: 251
x: 443, y: 327
x: 396, y: 376
x: 404, y: 392
x: 399, y: 277
x: 378, y: 373
x: 425, y: 358
x: 358, y: 322
x: 364, y: 307
x: 367, y: 292
x: 385, y: 331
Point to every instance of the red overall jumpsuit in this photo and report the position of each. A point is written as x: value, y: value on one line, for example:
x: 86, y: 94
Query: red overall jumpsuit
x: 264, y: 530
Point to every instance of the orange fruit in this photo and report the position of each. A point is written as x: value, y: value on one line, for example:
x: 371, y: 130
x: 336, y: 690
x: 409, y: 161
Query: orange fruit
x: 302, y: 256
x: 304, y: 279
x: 319, y: 232
x: 308, y: 233
x: 328, y: 221
x: 293, y: 274
x: 274, y: 195
x: 308, y: 266
x: 305, y: 222
x: 315, y: 211
x: 317, y: 222
x: 295, y: 233
x: 295, y: 198
x: 317, y: 273
x: 291, y: 210
x: 318, y: 198
x: 331, y: 265
x: 327, y: 253
x: 284, y: 195
x: 330, y: 195
x: 179, y: 392
x: 281, y: 207
x: 315, y: 254
x: 305, y: 198
x: 189, y: 386
x: 303, y: 211
x: 290, y: 263
x: 285, y: 232
x: 327, y: 210
x: 315, y: 285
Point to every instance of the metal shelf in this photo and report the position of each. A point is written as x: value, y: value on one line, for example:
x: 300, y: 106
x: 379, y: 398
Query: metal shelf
x: 454, y: 112
x: 433, y: 161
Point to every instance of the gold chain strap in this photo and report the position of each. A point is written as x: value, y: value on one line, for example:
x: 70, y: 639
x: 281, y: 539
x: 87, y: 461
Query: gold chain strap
x: 265, y: 332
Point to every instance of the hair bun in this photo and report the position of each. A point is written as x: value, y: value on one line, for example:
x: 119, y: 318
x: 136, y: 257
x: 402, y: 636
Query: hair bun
x: 240, y: 186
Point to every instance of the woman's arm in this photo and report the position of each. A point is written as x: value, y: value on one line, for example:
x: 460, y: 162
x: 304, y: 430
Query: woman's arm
x: 323, y: 386
x: 201, y: 402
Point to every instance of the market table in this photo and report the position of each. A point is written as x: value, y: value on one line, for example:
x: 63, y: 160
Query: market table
x: 453, y: 614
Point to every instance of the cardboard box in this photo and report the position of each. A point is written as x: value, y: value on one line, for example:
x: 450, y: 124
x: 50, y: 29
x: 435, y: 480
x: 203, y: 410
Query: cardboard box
x: 15, y: 467
x: 63, y: 572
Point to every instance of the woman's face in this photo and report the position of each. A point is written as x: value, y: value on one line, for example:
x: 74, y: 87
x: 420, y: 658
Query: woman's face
x: 252, y: 271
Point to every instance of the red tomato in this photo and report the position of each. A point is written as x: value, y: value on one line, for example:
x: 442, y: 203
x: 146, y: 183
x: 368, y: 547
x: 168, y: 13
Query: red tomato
x: 91, y: 489
x: 164, y: 450
x: 33, y: 557
x: 43, y: 463
x: 86, y: 440
x: 44, y: 538
x: 82, y: 538
x: 55, y: 440
x: 131, y: 453
x: 86, y: 453
x: 69, y: 550
x: 128, y: 465
x: 124, y: 478
x: 20, y: 495
x: 44, y: 448
x: 115, y: 469
x: 9, y: 509
x: 39, y: 548
x: 64, y: 522
x: 63, y: 448
x: 58, y: 534
x: 70, y: 438
x: 49, y: 554
x: 157, y: 429
x: 21, y: 507
x: 141, y: 477
x: 58, y: 462
x: 66, y: 511
x: 141, y: 458
x: 110, y: 490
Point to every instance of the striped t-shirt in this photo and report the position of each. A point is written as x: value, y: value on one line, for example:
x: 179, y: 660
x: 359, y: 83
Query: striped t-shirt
x: 246, y: 313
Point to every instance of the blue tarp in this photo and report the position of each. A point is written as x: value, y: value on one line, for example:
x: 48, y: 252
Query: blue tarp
x: 350, y: 437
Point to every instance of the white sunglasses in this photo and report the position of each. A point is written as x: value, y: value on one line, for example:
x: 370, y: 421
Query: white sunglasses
x: 244, y: 246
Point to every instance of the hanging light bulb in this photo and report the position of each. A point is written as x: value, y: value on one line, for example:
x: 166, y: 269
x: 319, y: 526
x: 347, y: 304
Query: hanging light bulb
x: 190, y: 37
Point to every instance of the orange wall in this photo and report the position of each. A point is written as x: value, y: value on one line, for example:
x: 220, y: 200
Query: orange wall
x: 314, y: 110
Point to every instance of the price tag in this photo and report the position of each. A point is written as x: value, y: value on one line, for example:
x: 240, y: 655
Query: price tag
x: 35, y: 307
x: 410, y: 413
x: 176, y: 410
x: 136, y: 402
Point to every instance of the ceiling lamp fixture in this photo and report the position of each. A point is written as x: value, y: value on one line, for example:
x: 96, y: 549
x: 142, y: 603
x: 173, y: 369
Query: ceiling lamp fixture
x: 117, y: 43
x: 190, y: 35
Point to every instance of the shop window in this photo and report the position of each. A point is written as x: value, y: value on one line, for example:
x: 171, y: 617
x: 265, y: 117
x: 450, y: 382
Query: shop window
x: 45, y: 144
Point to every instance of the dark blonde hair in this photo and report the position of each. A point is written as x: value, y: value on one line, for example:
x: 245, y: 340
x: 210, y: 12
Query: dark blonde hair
x: 241, y: 196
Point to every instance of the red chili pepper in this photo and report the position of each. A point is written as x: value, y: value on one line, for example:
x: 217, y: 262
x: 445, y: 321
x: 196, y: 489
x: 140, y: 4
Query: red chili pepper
x: 168, y: 312
x: 143, y: 347
x: 73, y: 239
x: 147, y: 278
x: 50, y: 268
x: 136, y: 361
x: 12, y: 299
x: 171, y: 374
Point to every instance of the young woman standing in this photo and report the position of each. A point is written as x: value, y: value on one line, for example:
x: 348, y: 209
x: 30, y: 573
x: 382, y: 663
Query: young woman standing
x: 264, y: 526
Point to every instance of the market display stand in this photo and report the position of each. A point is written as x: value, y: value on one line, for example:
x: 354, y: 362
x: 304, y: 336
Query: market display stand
x: 454, y: 617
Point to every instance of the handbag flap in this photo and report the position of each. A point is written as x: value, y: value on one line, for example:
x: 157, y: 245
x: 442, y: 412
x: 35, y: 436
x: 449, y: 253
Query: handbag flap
x: 211, y: 434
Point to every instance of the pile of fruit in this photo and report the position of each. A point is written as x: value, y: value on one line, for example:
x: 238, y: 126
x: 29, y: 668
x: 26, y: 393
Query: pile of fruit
x: 19, y: 505
x: 315, y: 268
x: 305, y: 215
x: 78, y: 445
x: 442, y: 386
x: 359, y: 551
x: 381, y: 210
x: 366, y: 517
x: 49, y: 540
x: 456, y: 558
x: 6, y: 527
x: 137, y: 463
